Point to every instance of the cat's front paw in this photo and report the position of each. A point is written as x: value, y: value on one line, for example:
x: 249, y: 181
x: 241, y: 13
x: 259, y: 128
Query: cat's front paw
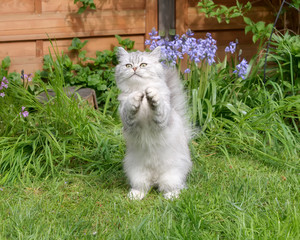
x: 152, y: 97
x: 135, y: 101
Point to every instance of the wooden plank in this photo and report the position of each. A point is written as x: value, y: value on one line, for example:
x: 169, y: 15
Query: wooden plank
x: 39, y: 48
x: 69, y: 6
x: 93, y: 45
x: 38, y: 6
x: 62, y: 25
x: 28, y: 64
x: 181, y: 16
x: 198, y: 21
x: 151, y: 20
x: 17, y: 49
x: 16, y: 6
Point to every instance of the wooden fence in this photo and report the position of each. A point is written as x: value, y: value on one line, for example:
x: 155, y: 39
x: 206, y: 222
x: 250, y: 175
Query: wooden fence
x: 26, y: 26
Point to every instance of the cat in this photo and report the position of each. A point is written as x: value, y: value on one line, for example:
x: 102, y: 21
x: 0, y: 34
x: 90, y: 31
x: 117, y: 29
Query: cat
x: 155, y: 126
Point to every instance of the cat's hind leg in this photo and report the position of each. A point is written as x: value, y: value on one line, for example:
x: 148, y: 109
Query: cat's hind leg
x: 139, y: 181
x: 171, y: 183
x: 135, y: 194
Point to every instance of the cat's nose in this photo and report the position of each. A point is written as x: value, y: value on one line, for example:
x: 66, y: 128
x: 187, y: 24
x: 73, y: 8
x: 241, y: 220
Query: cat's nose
x: 134, y: 68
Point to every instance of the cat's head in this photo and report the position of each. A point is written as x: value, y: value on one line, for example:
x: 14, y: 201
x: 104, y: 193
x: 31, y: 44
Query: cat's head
x: 137, y: 69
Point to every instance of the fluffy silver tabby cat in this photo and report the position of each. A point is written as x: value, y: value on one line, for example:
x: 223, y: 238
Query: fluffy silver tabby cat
x: 156, y: 130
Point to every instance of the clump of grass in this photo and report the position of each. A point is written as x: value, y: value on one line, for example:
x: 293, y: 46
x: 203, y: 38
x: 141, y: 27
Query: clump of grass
x: 61, y: 133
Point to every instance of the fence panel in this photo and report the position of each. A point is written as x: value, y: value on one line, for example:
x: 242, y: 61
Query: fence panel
x: 26, y: 25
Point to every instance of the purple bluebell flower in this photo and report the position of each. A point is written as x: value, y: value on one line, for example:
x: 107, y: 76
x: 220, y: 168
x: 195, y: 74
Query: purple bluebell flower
x: 187, y: 70
x: 155, y: 37
x: 189, y: 33
x: 241, y: 69
x: 197, y: 50
x: 24, y: 113
x: 147, y: 42
x: 231, y: 48
x: 27, y: 77
x: 3, y: 84
x: 153, y: 32
x: 209, y: 49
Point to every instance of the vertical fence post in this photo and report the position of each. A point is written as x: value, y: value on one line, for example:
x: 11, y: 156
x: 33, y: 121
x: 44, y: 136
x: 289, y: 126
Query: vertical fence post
x: 151, y: 16
x: 38, y: 43
x: 166, y: 17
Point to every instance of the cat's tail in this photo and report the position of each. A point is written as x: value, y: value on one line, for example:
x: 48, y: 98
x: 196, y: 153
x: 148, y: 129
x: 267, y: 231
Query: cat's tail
x: 178, y: 99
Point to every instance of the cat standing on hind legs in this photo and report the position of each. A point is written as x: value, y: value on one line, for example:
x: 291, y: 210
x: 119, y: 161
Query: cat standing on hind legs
x: 155, y: 126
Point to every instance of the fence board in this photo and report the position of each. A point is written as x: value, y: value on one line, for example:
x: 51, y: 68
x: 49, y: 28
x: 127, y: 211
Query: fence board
x: 61, y: 25
x: 69, y: 6
x: 15, y: 7
x: 198, y: 21
x: 151, y: 17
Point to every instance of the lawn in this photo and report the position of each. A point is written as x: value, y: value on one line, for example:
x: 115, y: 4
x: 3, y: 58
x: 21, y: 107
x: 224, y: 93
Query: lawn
x: 236, y: 198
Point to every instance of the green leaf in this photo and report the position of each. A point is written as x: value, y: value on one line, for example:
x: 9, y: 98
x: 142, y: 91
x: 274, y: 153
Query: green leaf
x: 82, y: 54
x: 248, y: 21
x: 255, y: 37
x: 101, y: 87
x: 234, y: 15
x: 248, y: 6
x: 260, y: 26
x: 6, y: 62
x: 238, y: 4
x: 93, y: 80
x: 232, y: 108
x: 248, y: 29
x: 81, y: 9
x: 118, y: 38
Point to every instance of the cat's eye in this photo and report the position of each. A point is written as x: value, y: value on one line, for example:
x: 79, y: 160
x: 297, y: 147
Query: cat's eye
x: 143, y: 65
x: 128, y: 65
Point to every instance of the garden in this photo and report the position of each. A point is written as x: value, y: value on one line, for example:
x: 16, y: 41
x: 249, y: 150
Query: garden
x: 61, y: 173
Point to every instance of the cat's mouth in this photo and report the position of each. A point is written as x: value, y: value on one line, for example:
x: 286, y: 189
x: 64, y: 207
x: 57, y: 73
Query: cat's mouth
x: 135, y: 74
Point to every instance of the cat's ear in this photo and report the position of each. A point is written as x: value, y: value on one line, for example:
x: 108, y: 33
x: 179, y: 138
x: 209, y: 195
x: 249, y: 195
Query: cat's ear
x: 156, y: 52
x: 121, y: 52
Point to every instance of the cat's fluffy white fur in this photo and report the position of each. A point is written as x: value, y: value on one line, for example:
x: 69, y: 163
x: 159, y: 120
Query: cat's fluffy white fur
x: 155, y: 127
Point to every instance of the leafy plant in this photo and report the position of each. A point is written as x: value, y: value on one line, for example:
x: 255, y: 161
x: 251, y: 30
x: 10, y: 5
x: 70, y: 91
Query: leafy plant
x: 284, y: 63
x: 259, y: 29
x: 5, y: 63
x: 96, y: 73
x: 85, y: 5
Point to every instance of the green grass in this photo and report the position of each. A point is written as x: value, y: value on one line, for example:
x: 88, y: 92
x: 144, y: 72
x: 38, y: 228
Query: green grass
x: 235, y: 198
